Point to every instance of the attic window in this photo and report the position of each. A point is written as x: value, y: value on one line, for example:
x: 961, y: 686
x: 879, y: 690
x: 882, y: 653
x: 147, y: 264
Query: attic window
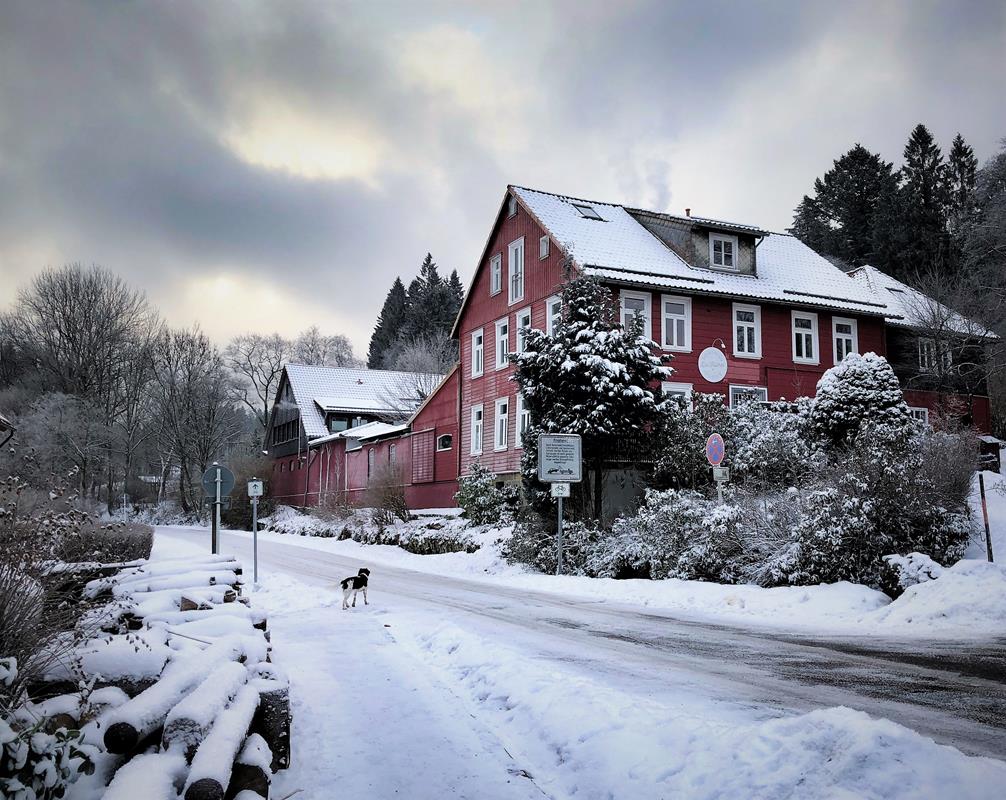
x: 512, y: 207
x: 587, y: 212
x: 722, y: 251
x: 892, y: 289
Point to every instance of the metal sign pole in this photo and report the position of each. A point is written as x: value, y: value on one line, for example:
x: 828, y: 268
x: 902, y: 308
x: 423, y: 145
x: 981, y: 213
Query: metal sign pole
x: 255, y: 541
x: 215, y: 543
x: 558, y: 563
x: 985, y: 514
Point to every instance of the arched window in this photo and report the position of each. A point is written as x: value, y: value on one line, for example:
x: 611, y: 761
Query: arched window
x: 445, y: 442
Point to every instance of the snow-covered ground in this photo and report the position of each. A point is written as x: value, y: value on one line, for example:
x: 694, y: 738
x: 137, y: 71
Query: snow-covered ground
x: 971, y: 603
x: 995, y: 498
x: 441, y: 688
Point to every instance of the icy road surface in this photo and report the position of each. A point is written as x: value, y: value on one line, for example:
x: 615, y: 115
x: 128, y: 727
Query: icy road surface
x: 951, y: 692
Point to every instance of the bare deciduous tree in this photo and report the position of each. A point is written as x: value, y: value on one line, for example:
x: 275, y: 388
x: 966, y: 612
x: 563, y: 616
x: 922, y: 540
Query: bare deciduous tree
x: 257, y: 361
x: 313, y: 348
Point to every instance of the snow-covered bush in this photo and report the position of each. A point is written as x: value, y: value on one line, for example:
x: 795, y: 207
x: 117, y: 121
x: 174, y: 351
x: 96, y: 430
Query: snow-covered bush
x: 900, y: 572
x: 679, y: 436
x: 861, y: 389
x: 483, y: 502
x: 386, y: 496
x: 675, y: 534
x: 771, y: 446
x: 36, y: 765
x: 534, y: 544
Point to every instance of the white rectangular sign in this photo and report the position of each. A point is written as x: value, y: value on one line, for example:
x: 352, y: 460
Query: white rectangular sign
x: 254, y: 488
x: 560, y: 458
x: 560, y: 490
x: 721, y: 474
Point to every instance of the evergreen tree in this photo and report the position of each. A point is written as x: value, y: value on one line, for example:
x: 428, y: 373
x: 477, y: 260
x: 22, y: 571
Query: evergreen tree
x: 457, y: 291
x: 388, y: 325
x: 961, y: 178
x: 839, y: 219
x: 592, y: 376
x: 923, y: 243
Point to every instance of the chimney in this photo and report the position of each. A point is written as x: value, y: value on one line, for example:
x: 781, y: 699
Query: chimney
x: 688, y: 212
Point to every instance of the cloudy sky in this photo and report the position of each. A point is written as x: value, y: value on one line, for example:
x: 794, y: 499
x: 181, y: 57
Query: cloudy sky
x: 271, y: 165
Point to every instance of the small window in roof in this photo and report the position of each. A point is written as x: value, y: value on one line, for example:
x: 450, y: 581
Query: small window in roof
x: 587, y: 212
x: 892, y: 289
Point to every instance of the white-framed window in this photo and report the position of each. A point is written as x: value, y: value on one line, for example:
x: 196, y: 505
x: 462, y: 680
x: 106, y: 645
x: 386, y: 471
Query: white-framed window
x: 682, y: 390
x: 511, y: 208
x: 496, y: 274
x: 931, y: 353
x: 744, y: 394
x: 478, y: 353
x: 501, y: 423
x: 502, y: 342
x: 845, y: 335
x: 515, y: 270
x: 919, y: 413
x: 522, y: 322
x: 635, y: 304
x: 444, y: 442
x: 676, y: 323
x: 477, y: 420
x: 722, y: 251
x: 553, y: 310
x: 523, y: 420
x: 543, y: 248
x: 805, y: 338
x: 747, y: 331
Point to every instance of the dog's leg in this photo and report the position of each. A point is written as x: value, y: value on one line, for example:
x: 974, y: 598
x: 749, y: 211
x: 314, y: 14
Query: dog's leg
x: 365, y: 596
x: 345, y: 599
x: 355, y: 591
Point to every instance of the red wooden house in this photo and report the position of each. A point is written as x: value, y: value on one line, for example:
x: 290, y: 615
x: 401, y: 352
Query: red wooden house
x: 779, y: 312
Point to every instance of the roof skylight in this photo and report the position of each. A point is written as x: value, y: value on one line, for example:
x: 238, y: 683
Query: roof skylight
x: 587, y: 212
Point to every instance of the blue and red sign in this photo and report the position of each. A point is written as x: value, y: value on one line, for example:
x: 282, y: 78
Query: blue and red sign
x: 715, y: 449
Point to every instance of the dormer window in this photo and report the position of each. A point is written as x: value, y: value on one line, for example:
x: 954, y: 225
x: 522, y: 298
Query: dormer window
x: 722, y: 251
x: 587, y: 212
x: 512, y: 206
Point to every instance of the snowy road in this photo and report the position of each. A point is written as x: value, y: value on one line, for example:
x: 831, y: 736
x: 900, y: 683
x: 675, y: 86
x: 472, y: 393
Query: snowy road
x: 952, y: 693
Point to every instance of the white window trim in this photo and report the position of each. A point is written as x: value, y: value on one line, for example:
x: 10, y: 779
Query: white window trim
x: 518, y: 433
x: 746, y: 388
x: 647, y: 311
x: 543, y: 247
x: 757, y: 325
x: 517, y: 244
x: 480, y: 409
x: 923, y: 416
x: 549, y: 321
x: 481, y: 349
x: 670, y: 386
x: 440, y: 449
x: 723, y: 237
x: 500, y: 402
x: 835, y: 322
x: 814, y: 333
x: 687, y: 301
x: 517, y: 328
x: 495, y: 271
x: 497, y: 351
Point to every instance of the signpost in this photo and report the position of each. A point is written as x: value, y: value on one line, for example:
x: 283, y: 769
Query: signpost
x: 218, y: 482
x: 715, y: 451
x: 254, y: 492
x: 560, y: 463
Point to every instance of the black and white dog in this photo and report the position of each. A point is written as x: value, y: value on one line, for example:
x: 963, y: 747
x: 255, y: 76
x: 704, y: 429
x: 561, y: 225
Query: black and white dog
x: 358, y: 583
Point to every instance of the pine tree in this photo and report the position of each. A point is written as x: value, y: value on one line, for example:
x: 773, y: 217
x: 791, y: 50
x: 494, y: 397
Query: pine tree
x: 388, y: 325
x: 457, y: 291
x: 961, y: 178
x: 924, y: 201
x: 592, y: 376
x: 839, y: 219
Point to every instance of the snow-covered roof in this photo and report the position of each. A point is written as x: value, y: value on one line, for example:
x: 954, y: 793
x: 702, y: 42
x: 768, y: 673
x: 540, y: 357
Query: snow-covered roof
x: 618, y: 248
x: 362, y: 433
x: 317, y: 390
x: 910, y: 308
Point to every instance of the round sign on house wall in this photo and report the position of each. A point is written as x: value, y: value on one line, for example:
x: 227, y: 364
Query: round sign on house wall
x: 712, y: 364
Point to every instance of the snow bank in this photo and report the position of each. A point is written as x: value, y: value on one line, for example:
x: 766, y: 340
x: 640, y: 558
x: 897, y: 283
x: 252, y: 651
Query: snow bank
x: 579, y: 737
x: 995, y: 500
x: 968, y: 598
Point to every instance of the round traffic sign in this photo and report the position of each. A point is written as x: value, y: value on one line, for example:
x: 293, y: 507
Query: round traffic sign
x: 715, y: 449
x: 210, y: 480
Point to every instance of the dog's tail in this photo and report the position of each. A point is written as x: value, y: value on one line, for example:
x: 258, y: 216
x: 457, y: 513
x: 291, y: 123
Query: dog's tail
x: 345, y: 583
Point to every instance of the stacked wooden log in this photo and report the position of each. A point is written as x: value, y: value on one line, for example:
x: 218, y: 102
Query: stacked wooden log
x: 215, y: 721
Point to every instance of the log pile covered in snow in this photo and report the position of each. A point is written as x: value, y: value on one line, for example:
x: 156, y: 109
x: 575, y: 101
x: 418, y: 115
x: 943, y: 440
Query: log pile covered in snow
x: 178, y: 696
